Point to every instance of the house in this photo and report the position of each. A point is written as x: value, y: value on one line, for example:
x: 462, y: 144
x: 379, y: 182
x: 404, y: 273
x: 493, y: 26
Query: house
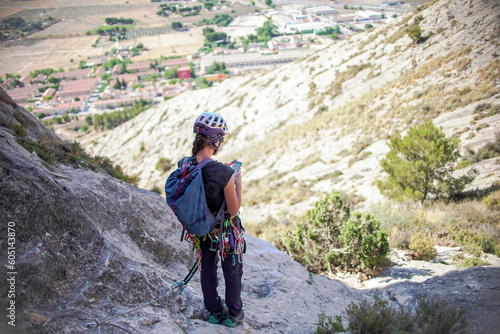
x: 48, y: 93
x: 100, y: 71
x: 119, y: 102
x: 116, y: 69
x: 139, y: 67
x: 127, y: 77
x: 26, y: 81
x: 40, y: 78
x: 77, y: 87
x: 62, y: 108
x: 184, y: 72
x: 7, y: 83
x: 216, y: 77
x: 72, y: 75
x: 23, y: 94
x: 167, y: 63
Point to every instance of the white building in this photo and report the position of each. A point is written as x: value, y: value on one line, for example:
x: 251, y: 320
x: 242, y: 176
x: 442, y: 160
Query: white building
x: 369, y: 14
x: 282, y: 21
x: 306, y: 27
x: 322, y: 10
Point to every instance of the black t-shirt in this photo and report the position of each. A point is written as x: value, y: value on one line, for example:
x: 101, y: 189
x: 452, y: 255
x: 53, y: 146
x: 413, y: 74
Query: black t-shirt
x: 216, y: 175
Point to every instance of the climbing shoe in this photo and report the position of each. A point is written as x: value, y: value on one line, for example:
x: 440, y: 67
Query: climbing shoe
x: 233, y: 320
x: 217, y: 317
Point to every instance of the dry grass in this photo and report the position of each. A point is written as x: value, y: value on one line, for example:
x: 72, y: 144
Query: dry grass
x: 469, y: 222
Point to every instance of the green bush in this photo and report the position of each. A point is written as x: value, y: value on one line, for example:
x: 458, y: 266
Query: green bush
x: 433, y: 314
x: 164, y: 165
x: 329, y: 238
x: 326, y: 324
x: 366, y: 243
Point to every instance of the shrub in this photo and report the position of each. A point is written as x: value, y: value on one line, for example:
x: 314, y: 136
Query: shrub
x: 433, y: 314
x: 489, y: 151
x: 84, y: 128
x: 20, y: 130
x: 156, y: 189
x: 366, y: 243
x: 329, y: 238
x: 327, y: 325
x: 378, y: 317
x: 164, y: 165
x: 422, y: 247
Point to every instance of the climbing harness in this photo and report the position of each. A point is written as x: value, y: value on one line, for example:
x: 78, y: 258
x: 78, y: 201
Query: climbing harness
x: 177, y: 287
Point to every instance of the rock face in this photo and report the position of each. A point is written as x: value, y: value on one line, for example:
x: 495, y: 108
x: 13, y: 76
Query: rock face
x: 89, y: 247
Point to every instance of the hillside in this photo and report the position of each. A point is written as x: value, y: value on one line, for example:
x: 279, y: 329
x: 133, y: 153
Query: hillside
x: 88, y: 247
x: 322, y: 123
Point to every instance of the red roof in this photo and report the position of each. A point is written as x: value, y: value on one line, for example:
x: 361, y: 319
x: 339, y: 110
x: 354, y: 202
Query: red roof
x: 174, y: 62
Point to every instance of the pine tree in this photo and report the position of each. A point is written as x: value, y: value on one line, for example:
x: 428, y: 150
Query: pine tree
x: 420, y: 164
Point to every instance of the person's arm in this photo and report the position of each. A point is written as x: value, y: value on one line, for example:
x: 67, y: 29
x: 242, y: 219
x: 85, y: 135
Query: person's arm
x: 232, y: 194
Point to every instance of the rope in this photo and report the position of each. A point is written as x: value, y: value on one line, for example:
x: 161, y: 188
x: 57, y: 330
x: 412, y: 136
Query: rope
x: 179, y: 286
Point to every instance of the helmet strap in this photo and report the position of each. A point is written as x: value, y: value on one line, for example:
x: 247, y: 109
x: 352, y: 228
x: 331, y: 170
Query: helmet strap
x: 216, y: 139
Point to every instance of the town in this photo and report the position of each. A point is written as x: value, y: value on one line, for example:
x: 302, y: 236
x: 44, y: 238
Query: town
x: 115, y: 80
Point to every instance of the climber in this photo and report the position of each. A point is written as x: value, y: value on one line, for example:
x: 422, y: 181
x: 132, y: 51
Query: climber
x: 222, y: 187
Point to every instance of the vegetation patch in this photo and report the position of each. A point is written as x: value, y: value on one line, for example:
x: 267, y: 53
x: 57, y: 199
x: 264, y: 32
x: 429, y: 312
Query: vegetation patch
x: 73, y: 154
x: 329, y: 238
x: 433, y: 314
x: 489, y: 151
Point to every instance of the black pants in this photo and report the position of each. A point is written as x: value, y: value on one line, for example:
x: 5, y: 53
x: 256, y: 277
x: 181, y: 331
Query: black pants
x: 233, y: 270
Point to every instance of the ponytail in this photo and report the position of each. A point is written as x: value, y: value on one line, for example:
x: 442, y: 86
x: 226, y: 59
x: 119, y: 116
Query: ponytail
x: 199, y: 143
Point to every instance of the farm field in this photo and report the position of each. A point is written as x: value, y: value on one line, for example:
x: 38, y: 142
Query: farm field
x: 10, y: 7
x: 66, y: 40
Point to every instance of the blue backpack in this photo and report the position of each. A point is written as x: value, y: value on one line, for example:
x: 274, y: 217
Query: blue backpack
x: 185, y: 194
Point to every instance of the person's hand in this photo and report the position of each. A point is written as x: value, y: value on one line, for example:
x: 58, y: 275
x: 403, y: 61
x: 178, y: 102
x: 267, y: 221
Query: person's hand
x: 230, y: 163
x: 237, y: 179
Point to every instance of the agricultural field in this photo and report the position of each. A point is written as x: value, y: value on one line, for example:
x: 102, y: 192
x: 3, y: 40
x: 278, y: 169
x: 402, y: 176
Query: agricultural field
x: 57, y: 45
x: 66, y: 43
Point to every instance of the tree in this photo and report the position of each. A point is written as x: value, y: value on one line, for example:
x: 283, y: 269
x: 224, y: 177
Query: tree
x: 88, y: 120
x: 415, y: 33
x: 176, y: 25
x: 207, y: 30
x: 117, y: 84
x: 420, y: 164
x: 269, y: 2
x: 216, y: 36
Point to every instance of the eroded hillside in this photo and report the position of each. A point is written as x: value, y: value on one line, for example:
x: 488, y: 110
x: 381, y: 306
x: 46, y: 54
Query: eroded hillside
x: 322, y: 123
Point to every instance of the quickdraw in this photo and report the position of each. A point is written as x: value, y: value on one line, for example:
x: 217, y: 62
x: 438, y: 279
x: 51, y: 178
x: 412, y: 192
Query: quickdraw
x: 230, y: 241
